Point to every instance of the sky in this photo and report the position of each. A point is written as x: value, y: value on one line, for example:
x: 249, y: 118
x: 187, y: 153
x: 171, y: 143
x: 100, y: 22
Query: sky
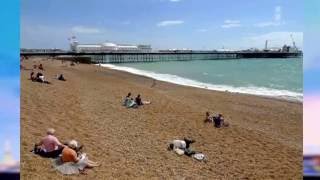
x: 311, y: 103
x: 9, y: 78
x: 194, y: 24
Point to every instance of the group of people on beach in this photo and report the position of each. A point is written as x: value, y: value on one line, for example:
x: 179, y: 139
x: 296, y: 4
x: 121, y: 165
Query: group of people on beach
x: 217, y: 121
x: 68, y: 157
x: 129, y: 102
x: 39, y: 77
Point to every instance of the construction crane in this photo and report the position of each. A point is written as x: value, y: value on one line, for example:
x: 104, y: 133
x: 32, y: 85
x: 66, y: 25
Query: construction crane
x: 266, y: 45
x: 294, y: 43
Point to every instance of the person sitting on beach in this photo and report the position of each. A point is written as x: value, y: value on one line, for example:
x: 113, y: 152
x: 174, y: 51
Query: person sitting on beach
x: 49, y: 146
x: 73, y: 162
x: 182, y: 146
x: 209, y: 119
x: 139, y: 101
x: 40, y: 67
x: 39, y: 77
x: 32, y: 78
x: 126, y: 99
x: 219, y: 121
x: 61, y: 78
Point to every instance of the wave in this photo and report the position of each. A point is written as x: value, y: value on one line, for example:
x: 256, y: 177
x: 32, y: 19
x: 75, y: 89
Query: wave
x: 260, y: 91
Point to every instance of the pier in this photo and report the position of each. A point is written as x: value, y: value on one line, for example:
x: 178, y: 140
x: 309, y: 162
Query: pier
x: 125, y: 57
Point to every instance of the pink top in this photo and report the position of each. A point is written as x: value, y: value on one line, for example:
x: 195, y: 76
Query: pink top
x: 50, y: 143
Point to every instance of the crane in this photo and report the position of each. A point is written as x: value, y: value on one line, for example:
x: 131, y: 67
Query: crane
x: 294, y: 43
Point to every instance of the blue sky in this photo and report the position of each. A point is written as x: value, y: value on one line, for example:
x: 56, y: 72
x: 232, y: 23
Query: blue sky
x: 10, y: 77
x: 196, y: 24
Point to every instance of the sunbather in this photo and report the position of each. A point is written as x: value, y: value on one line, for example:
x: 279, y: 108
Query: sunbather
x: 49, y: 146
x: 40, y: 78
x: 72, y: 162
x: 182, y: 146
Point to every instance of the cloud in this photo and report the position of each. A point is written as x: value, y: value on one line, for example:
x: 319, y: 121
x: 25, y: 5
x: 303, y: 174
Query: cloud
x: 175, y: 0
x: 228, y: 21
x: 277, y: 13
x: 266, y: 24
x: 169, y: 23
x: 231, y: 23
x: 277, y: 19
x: 275, y: 39
x: 85, y: 30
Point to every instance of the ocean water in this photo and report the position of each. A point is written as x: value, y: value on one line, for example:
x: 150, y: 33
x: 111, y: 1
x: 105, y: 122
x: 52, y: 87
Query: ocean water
x: 280, y: 78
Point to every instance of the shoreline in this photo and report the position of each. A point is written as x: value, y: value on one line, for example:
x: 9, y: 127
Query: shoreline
x: 206, y: 86
x: 264, y: 140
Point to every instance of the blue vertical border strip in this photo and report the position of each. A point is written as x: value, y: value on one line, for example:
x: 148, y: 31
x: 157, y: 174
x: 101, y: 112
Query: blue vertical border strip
x: 311, y: 40
x: 311, y: 168
x: 10, y: 80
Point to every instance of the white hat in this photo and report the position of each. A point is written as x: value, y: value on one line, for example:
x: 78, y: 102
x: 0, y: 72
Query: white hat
x: 73, y: 144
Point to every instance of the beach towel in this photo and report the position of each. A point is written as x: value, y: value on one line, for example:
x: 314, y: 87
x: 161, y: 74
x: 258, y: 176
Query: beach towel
x: 69, y: 168
x: 199, y: 156
x: 131, y: 104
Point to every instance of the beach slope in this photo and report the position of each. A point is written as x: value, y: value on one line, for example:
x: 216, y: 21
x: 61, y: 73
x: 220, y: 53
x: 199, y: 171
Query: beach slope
x: 264, y: 140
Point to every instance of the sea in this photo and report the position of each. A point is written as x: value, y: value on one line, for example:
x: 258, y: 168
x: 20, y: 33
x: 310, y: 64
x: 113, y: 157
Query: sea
x: 277, y: 78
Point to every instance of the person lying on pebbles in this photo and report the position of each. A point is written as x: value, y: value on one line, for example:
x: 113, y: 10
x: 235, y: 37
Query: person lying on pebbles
x: 72, y: 162
x: 183, y: 147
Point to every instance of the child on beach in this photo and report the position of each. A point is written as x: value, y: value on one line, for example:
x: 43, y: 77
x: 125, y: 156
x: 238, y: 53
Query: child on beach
x: 61, y: 78
x: 40, y: 67
x: 32, y: 78
x: 140, y: 102
x: 208, y: 118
